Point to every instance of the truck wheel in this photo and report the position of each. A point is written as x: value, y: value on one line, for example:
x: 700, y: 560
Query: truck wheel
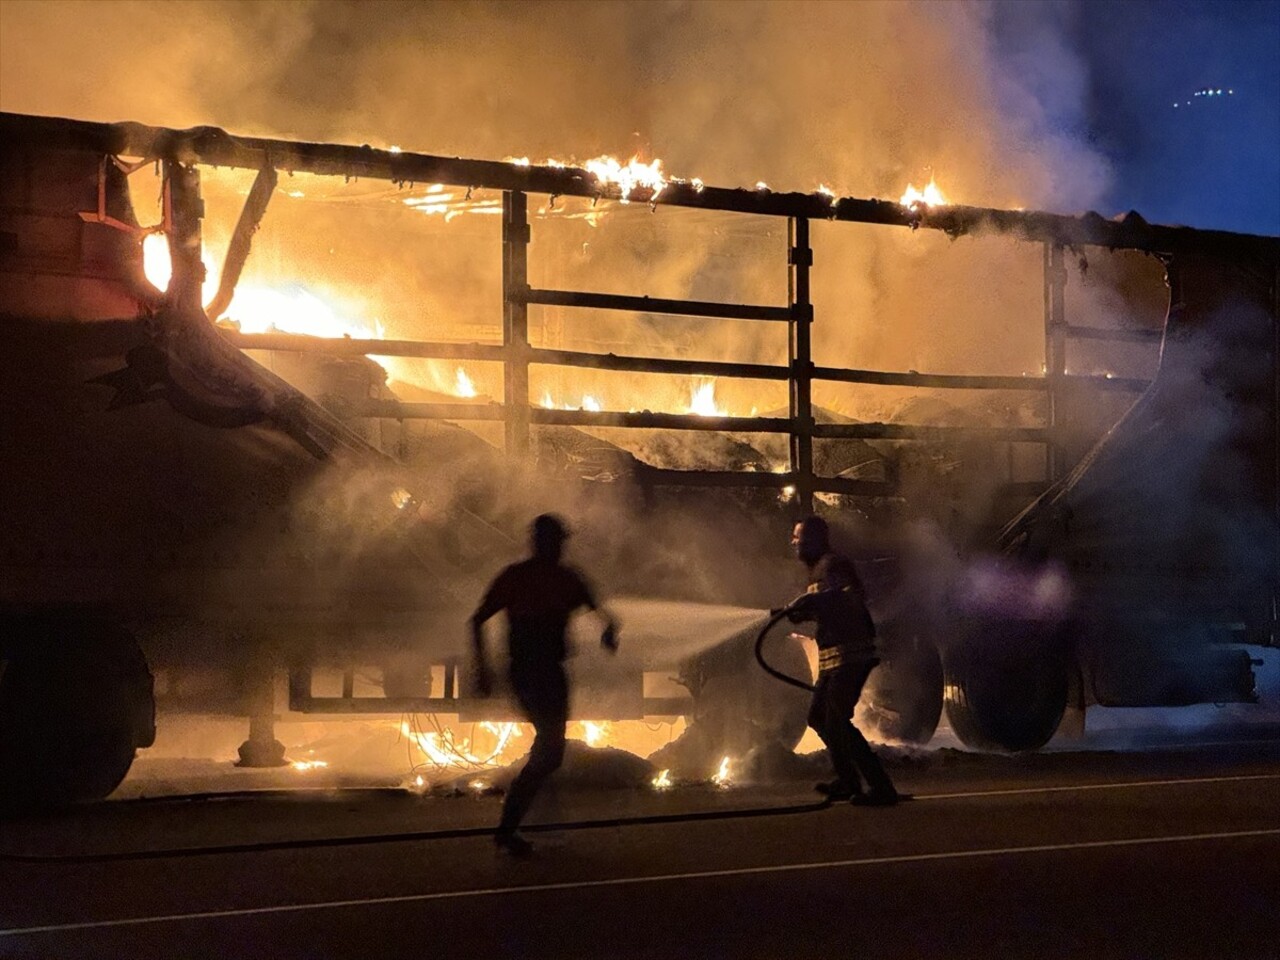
x: 903, y: 700
x: 75, y: 703
x: 1007, y: 694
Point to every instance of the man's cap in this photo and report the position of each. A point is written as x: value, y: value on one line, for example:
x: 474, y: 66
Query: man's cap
x: 548, y: 526
x: 814, y: 524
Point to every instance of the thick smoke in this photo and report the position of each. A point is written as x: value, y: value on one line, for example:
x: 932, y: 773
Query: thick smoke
x: 861, y: 97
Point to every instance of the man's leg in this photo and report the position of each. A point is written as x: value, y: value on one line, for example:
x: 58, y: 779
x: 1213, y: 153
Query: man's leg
x: 879, y: 786
x: 544, y: 697
x: 824, y: 718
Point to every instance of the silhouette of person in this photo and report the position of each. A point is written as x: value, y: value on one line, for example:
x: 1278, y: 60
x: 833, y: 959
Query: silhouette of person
x: 539, y: 594
x: 846, y: 656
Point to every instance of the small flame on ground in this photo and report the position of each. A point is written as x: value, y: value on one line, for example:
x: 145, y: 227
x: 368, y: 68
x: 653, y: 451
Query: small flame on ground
x: 662, y: 781
x: 308, y: 764
x: 597, y: 734
x: 401, y: 497
x: 723, y: 776
x: 591, y: 403
x: 762, y: 186
x: 930, y: 196
x: 479, y: 786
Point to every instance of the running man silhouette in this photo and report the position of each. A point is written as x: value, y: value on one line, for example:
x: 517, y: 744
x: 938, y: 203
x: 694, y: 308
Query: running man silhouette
x: 539, y: 594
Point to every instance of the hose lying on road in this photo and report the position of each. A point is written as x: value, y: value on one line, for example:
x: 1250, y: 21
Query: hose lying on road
x: 367, y: 839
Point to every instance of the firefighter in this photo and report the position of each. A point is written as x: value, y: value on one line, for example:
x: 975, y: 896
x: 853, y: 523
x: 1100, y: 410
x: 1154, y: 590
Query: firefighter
x: 539, y: 595
x: 846, y: 656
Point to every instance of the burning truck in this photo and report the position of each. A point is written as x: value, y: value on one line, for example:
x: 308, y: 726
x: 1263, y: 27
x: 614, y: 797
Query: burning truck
x: 210, y: 485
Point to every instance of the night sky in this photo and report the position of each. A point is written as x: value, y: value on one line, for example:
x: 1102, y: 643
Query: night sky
x: 1215, y: 163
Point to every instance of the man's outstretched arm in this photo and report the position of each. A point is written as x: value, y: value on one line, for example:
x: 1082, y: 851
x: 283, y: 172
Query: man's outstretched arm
x: 489, y: 606
x: 608, y: 635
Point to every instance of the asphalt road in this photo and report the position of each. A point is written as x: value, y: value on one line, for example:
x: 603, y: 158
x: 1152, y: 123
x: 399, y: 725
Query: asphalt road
x: 1162, y: 853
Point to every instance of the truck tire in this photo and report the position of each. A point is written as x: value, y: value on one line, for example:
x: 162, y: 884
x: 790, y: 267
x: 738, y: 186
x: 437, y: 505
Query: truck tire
x: 1008, y: 693
x: 903, y: 699
x: 76, y: 702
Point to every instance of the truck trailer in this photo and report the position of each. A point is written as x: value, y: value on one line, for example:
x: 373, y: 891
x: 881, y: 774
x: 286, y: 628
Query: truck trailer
x: 195, y: 514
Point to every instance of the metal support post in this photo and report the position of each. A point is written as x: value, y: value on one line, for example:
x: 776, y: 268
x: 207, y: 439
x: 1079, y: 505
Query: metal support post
x: 515, y: 321
x: 1055, y: 353
x: 800, y: 258
x: 262, y: 749
x: 184, y: 209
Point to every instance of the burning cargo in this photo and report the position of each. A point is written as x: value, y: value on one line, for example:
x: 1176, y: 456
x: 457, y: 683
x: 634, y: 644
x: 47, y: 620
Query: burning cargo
x: 243, y: 480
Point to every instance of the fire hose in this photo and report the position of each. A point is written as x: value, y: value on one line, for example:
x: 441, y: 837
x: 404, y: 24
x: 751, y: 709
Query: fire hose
x: 778, y: 615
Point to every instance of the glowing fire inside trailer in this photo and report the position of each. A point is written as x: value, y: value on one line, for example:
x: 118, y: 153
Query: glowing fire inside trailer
x: 295, y: 309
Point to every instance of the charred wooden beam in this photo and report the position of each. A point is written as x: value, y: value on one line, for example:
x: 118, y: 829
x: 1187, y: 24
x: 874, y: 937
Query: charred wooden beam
x: 659, y: 421
x: 679, y: 308
x: 931, y: 380
x: 515, y: 320
x: 403, y: 410
x: 689, y: 368
x: 255, y: 207
x: 911, y: 431
x: 211, y: 145
x: 761, y: 480
x: 352, y: 347
x: 1106, y: 382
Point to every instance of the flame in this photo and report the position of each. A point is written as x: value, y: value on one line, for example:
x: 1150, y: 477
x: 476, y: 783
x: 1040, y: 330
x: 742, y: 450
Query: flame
x: 662, y: 781
x: 588, y: 403
x: 629, y: 176
x: 723, y: 777
x: 703, y: 403
x: 444, y: 748
x: 930, y: 196
x: 597, y: 734
x: 308, y: 764
x: 464, y: 387
x: 156, y: 264
x: 295, y: 309
x: 479, y: 786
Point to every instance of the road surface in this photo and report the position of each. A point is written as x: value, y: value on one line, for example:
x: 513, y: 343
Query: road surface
x: 1168, y: 853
